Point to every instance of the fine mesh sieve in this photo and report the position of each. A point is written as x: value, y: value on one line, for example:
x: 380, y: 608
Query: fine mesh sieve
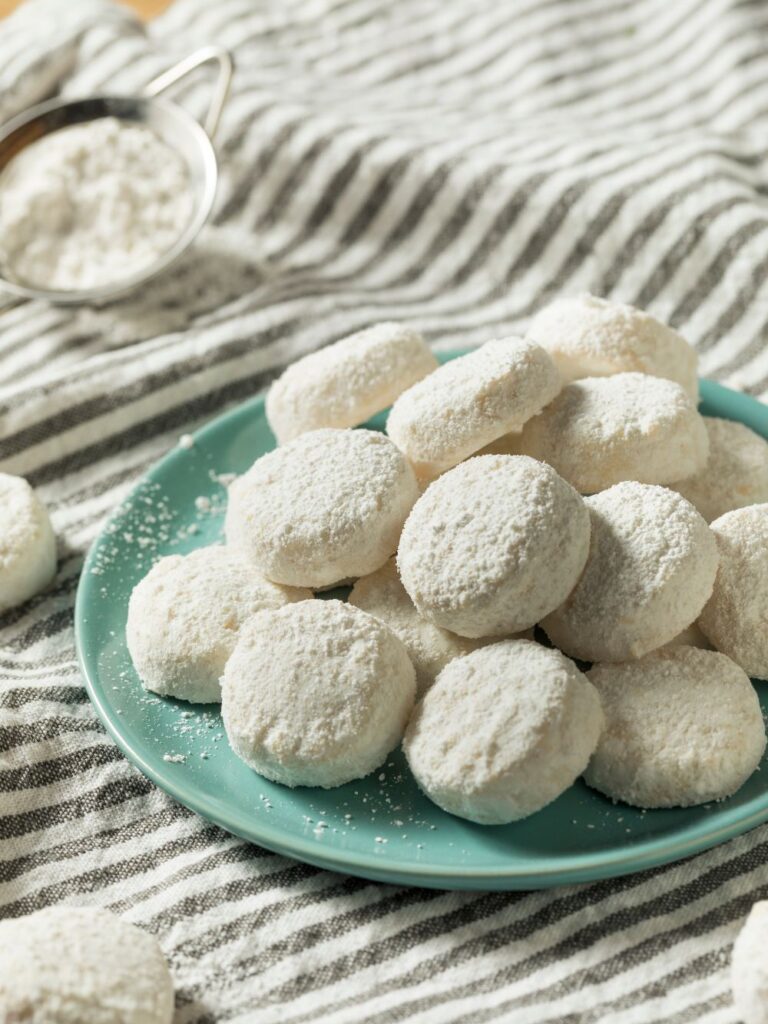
x: 173, y: 125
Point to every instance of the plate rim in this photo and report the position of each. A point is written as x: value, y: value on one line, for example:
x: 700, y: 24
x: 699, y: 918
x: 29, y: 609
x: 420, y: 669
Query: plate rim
x: 540, y: 873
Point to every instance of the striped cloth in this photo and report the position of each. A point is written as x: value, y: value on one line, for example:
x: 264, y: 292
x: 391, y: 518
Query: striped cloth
x: 454, y: 165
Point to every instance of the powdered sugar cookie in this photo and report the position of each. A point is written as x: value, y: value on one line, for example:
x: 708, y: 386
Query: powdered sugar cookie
x: 69, y: 965
x: 735, y: 474
x: 345, y: 384
x: 682, y: 727
x: 493, y: 545
x: 503, y: 732
x: 591, y: 337
x: 651, y: 566
x: 602, y: 430
x: 27, y: 543
x: 429, y: 647
x: 691, y: 636
x: 507, y: 444
x: 328, y: 506
x: 749, y: 967
x: 470, y: 401
x: 184, y: 617
x: 316, y: 693
x: 734, y: 619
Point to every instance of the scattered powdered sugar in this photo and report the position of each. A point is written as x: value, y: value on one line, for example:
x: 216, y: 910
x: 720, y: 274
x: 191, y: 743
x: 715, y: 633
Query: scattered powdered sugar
x: 222, y: 479
x: 175, y: 758
x: 91, y: 205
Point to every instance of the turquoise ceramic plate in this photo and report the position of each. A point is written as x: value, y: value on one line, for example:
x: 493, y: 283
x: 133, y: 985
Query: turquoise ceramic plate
x: 382, y: 827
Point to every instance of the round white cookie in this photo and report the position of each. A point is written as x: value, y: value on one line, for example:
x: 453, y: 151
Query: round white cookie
x: 69, y: 965
x: 734, y: 619
x: 184, y: 617
x: 316, y: 694
x: 602, y: 430
x: 749, y: 967
x: 682, y: 727
x: 326, y: 507
x: 470, y: 401
x: 651, y: 567
x: 346, y: 383
x: 493, y: 546
x: 429, y: 647
x: 27, y: 543
x: 507, y: 444
x: 691, y: 636
x: 735, y: 474
x: 503, y: 732
x: 591, y: 337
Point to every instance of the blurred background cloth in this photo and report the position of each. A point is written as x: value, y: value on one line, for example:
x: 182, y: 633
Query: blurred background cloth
x: 144, y: 8
x: 454, y: 165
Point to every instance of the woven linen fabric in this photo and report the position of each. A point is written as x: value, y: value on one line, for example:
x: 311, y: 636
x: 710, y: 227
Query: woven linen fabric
x: 454, y: 165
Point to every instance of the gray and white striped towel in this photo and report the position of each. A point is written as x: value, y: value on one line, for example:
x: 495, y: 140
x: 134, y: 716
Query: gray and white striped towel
x: 454, y: 165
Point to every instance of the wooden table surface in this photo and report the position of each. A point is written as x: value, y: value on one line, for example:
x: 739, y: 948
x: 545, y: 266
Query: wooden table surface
x: 146, y: 8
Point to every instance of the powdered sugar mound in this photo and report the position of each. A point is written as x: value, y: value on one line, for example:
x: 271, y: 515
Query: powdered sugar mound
x: 328, y: 506
x: 493, y: 545
x: 683, y: 726
x: 749, y: 967
x: 651, y: 567
x: 27, y: 543
x: 735, y: 474
x: 82, y: 964
x: 91, y: 204
x: 591, y: 337
x: 602, y: 430
x: 345, y: 384
x: 470, y: 401
x: 184, y: 617
x: 735, y: 616
x: 224, y: 480
x: 503, y: 732
x: 316, y: 693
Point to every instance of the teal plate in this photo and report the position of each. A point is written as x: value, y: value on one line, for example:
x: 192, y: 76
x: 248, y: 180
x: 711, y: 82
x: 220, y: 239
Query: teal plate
x: 381, y: 827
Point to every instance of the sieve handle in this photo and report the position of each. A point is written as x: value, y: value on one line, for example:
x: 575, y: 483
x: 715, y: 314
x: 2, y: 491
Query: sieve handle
x: 206, y: 55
